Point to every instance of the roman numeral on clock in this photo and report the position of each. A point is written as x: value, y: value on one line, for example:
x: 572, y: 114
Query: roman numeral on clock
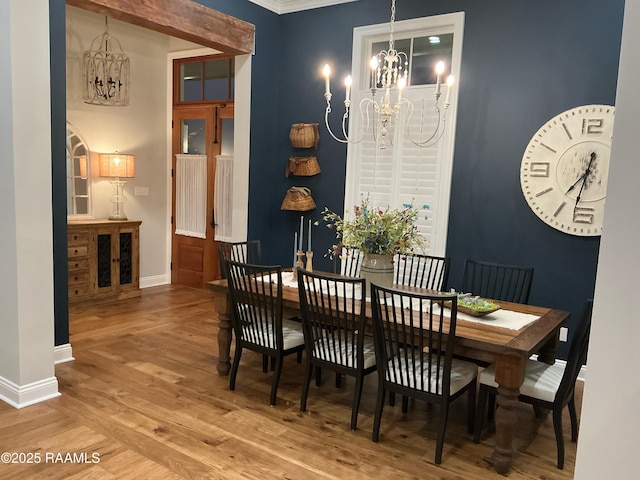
x: 539, y: 169
x: 583, y: 215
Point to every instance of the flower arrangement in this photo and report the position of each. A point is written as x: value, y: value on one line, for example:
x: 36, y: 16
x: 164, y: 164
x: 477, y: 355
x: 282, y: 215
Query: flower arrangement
x: 374, y: 230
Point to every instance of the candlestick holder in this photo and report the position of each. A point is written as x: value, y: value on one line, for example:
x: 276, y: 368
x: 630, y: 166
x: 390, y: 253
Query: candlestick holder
x: 299, y: 263
x: 309, y: 255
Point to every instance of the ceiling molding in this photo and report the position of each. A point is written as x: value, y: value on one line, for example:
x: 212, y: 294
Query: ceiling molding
x: 289, y: 6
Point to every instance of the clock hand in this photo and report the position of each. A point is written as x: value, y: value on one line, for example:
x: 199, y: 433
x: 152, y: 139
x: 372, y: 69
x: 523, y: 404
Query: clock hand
x: 584, y: 177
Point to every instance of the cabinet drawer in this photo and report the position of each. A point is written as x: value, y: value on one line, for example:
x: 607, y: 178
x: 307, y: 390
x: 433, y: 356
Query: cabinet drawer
x: 80, y: 237
x: 78, y: 251
x: 78, y: 277
x: 78, y: 291
x: 78, y: 264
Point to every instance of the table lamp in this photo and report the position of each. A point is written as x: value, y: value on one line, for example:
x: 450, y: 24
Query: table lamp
x: 117, y: 165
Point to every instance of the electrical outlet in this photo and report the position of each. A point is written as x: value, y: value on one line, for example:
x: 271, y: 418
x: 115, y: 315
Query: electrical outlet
x: 141, y: 191
x: 564, y: 332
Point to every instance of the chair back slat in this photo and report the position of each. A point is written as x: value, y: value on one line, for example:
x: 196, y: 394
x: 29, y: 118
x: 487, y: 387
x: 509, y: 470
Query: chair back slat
x: 509, y: 283
x: 348, y: 261
x: 249, y: 252
x: 256, y: 298
x: 414, y: 338
x: 577, y: 354
x: 332, y: 317
x: 422, y: 271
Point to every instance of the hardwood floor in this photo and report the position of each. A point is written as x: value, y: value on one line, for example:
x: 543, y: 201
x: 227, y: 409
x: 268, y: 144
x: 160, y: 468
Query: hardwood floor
x: 144, y: 398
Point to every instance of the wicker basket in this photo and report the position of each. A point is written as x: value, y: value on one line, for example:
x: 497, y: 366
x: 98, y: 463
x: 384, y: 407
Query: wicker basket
x: 304, y: 135
x: 302, y: 167
x: 298, y: 199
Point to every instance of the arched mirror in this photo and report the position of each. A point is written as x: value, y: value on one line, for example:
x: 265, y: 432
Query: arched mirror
x: 78, y: 175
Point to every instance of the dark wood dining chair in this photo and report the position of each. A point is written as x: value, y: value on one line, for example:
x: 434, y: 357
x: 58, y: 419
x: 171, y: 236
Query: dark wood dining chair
x: 348, y: 262
x: 335, y: 334
x: 545, y: 386
x: 422, y: 271
x: 414, y: 351
x: 510, y: 283
x: 256, y: 300
x: 249, y: 251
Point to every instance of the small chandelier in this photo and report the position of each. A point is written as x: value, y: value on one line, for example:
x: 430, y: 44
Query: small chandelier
x: 389, y: 72
x: 106, y: 72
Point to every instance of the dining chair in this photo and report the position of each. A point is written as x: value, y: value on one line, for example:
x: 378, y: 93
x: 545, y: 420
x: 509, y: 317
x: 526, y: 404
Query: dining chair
x: 422, y: 271
x: 348, y: 262
x: 256, y: 300
x: 335, y: 334
x: 249, y: 251
x: 545, y: 386
x: 414, y: 343
x: 509, y: 283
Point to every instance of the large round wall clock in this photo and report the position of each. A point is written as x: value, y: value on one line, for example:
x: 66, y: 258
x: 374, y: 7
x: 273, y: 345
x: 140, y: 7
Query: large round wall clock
x: 564, y: 169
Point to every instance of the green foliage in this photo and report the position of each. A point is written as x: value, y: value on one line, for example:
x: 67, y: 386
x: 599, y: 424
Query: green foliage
x: 374, y: 230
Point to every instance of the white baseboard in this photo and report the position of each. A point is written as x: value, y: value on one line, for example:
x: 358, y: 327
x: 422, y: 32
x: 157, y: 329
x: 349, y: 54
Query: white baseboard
x: 62, y: 354
x: 155, y: 280
x: 20, y: 396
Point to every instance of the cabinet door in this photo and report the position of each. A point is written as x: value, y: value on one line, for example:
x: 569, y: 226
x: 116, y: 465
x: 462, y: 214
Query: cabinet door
x: 127, y: 258
x: 104, y: 279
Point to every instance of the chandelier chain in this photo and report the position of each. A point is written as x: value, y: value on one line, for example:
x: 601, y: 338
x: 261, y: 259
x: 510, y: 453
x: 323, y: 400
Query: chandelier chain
x: 391, y: 22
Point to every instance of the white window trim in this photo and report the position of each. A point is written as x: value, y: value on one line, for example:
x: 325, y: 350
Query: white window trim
x: 363, y: 37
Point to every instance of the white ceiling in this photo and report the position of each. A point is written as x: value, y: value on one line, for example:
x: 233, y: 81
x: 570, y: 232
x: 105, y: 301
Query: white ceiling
x: 288, y: 6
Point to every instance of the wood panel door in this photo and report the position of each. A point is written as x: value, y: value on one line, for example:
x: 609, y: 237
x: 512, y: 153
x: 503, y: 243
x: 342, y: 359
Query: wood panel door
x: 196, y: 131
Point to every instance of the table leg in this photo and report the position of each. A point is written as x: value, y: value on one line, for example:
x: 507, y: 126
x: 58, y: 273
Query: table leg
x: 509, y: 377
x: 547, y: 352
x: 223, y: 307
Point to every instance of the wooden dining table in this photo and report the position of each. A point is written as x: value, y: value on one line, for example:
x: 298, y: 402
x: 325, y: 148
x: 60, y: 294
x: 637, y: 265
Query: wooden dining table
x: 479, y: 340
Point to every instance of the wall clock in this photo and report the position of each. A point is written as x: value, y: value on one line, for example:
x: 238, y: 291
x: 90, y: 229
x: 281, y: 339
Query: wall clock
x: 564, y: 169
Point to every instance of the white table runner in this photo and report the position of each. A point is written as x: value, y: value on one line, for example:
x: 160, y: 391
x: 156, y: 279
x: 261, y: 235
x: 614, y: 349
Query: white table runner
x: 500, y: 318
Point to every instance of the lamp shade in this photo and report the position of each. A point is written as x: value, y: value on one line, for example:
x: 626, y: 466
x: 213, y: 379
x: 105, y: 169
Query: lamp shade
x: 117, y: 165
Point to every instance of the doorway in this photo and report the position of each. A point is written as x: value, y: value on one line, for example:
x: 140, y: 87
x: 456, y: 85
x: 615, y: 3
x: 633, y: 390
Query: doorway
x: 200, y: 133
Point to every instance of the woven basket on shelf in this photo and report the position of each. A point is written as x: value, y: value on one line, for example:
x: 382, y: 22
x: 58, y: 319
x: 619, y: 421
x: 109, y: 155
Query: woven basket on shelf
x: 302, y: 166
x: 304, y: 135
x: 298, y: 199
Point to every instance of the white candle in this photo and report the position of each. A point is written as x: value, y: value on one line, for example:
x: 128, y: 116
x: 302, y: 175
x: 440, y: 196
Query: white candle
x: 347, y: 82
x: 301, y: 232
x: 309, y: 239
x: 402, y: 82
x: 450, y: 81
x: 326, y: 72
x: 374, y: 68
x: 439, y: 71
x: 295, y: 248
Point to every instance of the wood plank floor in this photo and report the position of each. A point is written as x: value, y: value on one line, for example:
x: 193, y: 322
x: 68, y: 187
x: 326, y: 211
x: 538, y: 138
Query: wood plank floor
x: 143, y: 396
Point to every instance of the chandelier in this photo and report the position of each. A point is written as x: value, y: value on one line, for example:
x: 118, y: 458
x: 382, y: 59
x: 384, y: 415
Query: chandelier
x: 389, y: 73
x: 106, y: 72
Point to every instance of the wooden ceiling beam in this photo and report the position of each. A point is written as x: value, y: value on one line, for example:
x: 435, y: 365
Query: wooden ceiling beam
x: 183, y: 19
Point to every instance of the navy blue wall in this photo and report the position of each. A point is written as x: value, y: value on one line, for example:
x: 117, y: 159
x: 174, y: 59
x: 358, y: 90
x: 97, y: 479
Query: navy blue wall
x: 58, y: 169
x: 522, y: 64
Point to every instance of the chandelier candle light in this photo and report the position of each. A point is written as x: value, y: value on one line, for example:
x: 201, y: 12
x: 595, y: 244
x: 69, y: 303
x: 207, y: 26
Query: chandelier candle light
x: 118, y: 166
x: 389, y: 72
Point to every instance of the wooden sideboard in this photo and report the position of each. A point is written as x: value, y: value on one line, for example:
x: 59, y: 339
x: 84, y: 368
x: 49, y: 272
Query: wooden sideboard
x: 104, y: 260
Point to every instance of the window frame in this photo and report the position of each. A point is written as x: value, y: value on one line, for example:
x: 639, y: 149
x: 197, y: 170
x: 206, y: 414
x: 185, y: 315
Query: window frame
x: 178, y: 62
x: 363, y: 38
x: 72, y: 197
